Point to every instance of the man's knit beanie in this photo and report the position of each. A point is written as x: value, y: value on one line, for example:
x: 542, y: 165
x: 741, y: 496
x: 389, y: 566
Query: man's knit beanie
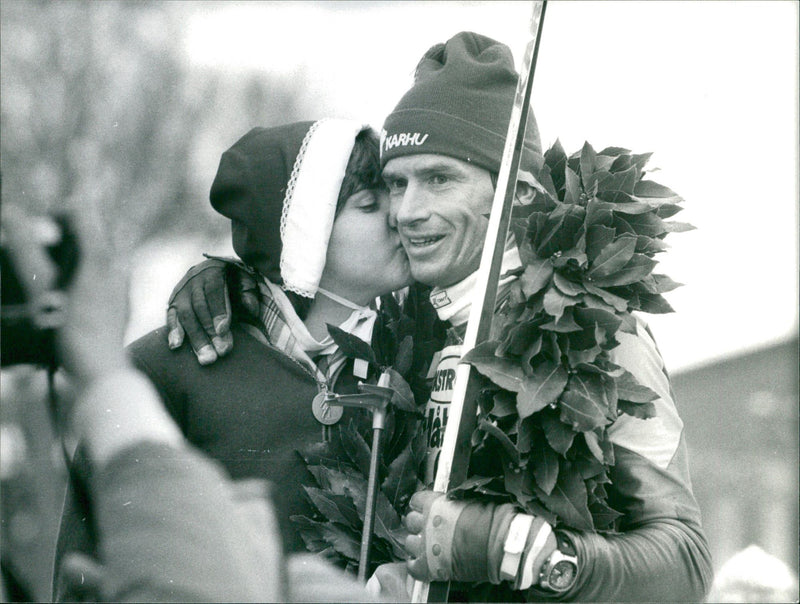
x: 286, y: 179
x: 459, y: 106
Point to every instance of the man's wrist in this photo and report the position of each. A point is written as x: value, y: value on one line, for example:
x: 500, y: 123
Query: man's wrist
x: 559, y: 572
x: 534, y: 555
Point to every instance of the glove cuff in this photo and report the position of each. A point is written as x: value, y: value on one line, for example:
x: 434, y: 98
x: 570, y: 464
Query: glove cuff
x: 478, y: 541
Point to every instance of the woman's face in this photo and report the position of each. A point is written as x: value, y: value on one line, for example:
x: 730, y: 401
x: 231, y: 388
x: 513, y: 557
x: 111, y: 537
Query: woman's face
x: 365, y: 257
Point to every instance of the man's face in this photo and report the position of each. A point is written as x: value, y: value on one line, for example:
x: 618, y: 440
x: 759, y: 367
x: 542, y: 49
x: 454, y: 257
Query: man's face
x: 440, y: 207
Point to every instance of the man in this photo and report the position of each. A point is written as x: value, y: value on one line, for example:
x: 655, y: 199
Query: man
x: 441, y: 150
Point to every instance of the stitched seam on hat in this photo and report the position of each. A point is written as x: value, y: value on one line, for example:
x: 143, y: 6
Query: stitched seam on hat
x: 287, y: 200
x: 451, y: 116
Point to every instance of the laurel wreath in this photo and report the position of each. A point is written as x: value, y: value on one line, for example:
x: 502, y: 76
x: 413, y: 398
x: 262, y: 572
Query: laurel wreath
x: 341, y: 466
x: 587, y: 242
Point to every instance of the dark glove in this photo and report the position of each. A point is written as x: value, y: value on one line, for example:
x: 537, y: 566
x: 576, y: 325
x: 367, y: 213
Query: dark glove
x: 470, y: 541
x: 200, y: 307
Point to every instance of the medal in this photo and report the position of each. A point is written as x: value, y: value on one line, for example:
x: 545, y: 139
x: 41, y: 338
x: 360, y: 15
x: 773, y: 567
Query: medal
x: 324, y: 412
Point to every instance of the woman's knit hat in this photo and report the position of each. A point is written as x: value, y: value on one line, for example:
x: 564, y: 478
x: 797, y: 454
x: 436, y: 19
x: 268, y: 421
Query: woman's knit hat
x: 459, y: 106
x: 288, y: 178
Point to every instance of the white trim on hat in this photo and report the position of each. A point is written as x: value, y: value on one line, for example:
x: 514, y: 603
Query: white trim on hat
x: 310, y: 203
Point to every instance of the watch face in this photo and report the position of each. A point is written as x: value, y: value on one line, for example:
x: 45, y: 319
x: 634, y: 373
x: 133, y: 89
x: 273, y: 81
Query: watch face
x: 562, y: 575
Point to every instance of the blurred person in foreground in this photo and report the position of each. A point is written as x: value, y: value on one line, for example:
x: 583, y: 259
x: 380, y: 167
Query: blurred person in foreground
x: 441, y: 150
x: 169, y: 523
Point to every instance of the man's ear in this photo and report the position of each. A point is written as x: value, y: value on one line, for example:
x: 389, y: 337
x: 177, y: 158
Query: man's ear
x: 525, y: 193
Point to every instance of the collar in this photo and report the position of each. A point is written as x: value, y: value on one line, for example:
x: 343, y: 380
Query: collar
x: 360, y: 323
x: 453, y: 303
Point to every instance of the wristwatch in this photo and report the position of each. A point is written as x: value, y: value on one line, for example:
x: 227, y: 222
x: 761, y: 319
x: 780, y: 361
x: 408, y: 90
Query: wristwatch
x: 560, y: 571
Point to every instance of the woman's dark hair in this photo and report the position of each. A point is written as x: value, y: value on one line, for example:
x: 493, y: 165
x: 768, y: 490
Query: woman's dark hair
x: 363, y: 168
x: 363, y: 172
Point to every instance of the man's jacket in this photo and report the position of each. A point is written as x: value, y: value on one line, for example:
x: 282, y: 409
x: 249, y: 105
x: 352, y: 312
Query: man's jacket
x: 660, y: 552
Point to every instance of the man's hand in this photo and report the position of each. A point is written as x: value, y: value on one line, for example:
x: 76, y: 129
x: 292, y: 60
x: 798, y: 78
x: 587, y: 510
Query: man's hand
x: 200, y: 309
x: 455, y: 540
x: 467, y: 540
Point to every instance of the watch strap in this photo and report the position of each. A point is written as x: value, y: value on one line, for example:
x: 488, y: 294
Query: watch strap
x: 564, y: 544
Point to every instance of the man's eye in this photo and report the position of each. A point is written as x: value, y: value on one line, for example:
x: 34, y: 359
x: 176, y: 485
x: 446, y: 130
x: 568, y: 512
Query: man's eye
x: 439, y: 179
x: 395, y: 185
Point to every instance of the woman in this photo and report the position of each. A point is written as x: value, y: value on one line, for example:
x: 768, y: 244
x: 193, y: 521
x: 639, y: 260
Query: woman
x: 309, y: 221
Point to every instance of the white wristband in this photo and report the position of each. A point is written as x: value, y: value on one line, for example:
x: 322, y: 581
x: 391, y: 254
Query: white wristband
x: 514, y: 546
x: 527, y: 574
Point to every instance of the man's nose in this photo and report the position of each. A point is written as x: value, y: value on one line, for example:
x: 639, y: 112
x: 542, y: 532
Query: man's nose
x: 409, y: 208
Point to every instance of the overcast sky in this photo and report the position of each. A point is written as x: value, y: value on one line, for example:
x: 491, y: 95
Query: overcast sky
x: 709, y: 87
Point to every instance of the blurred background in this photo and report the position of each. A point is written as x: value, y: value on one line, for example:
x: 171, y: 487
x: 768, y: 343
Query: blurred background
x: 124, y: 108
